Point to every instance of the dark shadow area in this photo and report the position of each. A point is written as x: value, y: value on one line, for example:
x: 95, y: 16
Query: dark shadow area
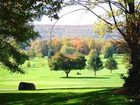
x: 79, y: 88
x: 86, y: 77
x: 103, y: 97
x: 119, y: 73
x: 109, y: 75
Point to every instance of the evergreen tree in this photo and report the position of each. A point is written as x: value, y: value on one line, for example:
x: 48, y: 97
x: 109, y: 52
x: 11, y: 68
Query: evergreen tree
x: 111, y: 64
x: 94, y: 63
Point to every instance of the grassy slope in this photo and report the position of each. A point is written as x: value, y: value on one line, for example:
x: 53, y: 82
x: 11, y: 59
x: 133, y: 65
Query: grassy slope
x: 85, y: 89
x: 46, y: 79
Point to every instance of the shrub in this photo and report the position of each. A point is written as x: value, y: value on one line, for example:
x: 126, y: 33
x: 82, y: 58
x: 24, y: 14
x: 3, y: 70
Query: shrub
x: 40, y: 55
x: 28, y: 64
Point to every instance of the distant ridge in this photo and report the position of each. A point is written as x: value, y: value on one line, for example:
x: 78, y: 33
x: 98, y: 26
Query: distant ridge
x: 68, y: 31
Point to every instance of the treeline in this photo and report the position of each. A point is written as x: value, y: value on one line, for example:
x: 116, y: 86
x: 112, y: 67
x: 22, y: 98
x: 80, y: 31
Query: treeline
x: 77, y: 53
x: 41, y: 48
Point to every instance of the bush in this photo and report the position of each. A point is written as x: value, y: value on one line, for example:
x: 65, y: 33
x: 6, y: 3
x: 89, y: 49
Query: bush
x: 40, y: 55
x: 28, y: 64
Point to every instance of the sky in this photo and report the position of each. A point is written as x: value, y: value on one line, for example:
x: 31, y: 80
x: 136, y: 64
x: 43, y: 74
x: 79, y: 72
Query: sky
x: 80, y: 17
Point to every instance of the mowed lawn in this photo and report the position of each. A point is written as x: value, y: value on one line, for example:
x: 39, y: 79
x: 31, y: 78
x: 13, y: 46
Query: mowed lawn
x: 40, y: 74
x: 54, y: 89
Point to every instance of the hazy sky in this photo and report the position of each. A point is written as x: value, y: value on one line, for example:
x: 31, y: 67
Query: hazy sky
x: 81, y: 17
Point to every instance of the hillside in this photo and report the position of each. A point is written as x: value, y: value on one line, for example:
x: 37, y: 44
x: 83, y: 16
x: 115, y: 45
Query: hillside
x: 67, y: 31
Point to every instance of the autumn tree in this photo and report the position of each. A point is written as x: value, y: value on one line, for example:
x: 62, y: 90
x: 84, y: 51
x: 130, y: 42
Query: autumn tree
x: 123, y: 16
x: 122, y: 46
x: 91, y: 43
x: 80, y: 45
x: 98, y: 46
x: 39, y: 47
x: 55, y: 45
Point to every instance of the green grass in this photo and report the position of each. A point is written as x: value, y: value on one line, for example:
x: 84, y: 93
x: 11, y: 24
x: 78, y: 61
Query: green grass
x: 54, y: 88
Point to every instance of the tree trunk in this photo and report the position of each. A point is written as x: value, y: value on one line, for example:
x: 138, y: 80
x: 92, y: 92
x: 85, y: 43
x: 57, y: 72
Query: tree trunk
x: 94, y: 72
x: 67, y: 73
x: 110, y: 71
x: 132, y: 82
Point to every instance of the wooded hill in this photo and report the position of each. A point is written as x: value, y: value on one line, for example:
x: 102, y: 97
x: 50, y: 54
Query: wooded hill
x: 68, y: 31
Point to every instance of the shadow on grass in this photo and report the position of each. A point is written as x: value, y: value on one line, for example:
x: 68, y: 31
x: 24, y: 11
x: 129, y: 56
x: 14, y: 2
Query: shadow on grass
x: 86, y: 77
x: 103, y: 97
x: 119, y: 73
x: 75, y: 88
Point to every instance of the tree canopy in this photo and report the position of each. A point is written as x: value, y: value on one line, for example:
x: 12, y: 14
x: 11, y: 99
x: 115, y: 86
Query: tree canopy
x: 16, y: 19
x: 67, y: 62
x: 111, y: 64
x: 94, y: 62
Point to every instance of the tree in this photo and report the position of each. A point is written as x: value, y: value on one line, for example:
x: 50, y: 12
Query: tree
x: 92, y: 53
x: 91, y: 43
x: 111, y: 64
x: 31, y: 53
x: 99, y: 28
x: 122, y: 46
x: 16, y: 19
x: 123, y: 16
x: 67, y: 62
x: 67, y: 50
x: 40, y: 47
x: 94, y: 63
x: 55, y: 44
x: 109, y: 52
x: 98, y: 46
x: 80, y: 45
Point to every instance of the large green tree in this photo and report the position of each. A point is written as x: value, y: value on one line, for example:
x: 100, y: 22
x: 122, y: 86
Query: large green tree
x: 67, y: 62
x: 124, y: 16
x: 16, y: 19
